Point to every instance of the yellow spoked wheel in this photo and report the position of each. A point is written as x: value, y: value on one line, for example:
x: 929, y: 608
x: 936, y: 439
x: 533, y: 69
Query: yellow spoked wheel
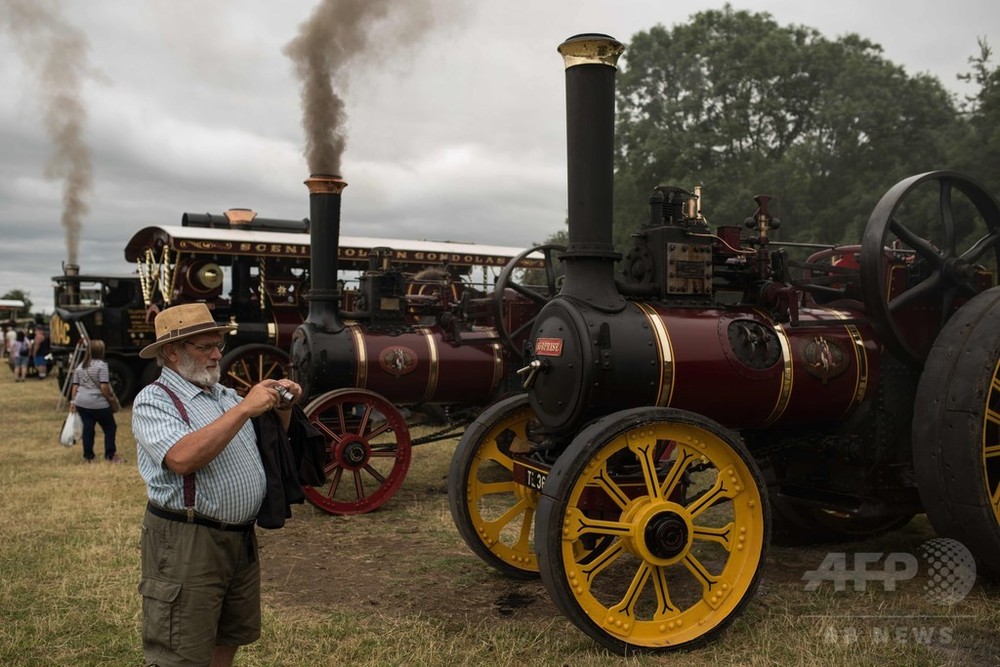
x: 494, y: 514
x: 655, y: 529
x: 956, y: 430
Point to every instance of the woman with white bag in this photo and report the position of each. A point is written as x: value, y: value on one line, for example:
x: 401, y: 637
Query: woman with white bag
x: 95, y: 402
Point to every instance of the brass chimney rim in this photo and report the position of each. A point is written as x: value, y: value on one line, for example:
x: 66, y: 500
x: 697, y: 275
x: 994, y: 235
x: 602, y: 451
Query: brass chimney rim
x: 592, y: 48
x: 325, y: 184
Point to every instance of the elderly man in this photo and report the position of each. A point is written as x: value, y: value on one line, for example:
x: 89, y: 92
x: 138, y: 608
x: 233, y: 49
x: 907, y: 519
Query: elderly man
x: 198, y: 455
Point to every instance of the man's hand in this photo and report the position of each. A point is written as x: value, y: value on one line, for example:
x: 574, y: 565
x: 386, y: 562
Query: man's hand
x: 289, y: 394
x: 264, y: 396
x: 261, y: 398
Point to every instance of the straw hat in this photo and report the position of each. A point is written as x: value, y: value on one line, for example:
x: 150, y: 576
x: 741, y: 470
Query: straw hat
x: 180, y: 322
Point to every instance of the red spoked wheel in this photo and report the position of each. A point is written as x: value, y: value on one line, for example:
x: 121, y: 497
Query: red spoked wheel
x: 368, y: 446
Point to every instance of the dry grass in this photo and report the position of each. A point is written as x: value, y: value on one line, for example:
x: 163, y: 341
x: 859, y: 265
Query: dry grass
x: 69, y: 564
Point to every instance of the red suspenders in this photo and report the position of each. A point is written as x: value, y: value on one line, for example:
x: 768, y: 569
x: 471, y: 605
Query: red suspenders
x: 189, y: 478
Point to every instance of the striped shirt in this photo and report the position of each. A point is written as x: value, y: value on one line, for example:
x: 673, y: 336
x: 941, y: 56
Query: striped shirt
x: 88, y: 380
x: 230, y: 488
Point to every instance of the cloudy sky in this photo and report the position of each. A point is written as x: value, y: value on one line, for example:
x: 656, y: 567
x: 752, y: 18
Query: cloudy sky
x: 455, y: 125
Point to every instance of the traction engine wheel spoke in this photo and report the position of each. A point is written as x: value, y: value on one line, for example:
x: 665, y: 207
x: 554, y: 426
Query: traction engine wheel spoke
x: 338, y: 472
x: 374, y: 473
x: 358, y: 488
x: 368, y: 449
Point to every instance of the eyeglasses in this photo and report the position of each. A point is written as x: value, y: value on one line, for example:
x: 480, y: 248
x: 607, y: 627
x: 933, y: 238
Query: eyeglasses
x: 207, y: 348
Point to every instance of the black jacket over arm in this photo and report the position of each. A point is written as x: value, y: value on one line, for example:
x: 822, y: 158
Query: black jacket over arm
x: 290, y: 460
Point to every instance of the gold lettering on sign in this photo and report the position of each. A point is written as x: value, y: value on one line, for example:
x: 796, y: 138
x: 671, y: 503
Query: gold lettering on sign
x: 58, y: 331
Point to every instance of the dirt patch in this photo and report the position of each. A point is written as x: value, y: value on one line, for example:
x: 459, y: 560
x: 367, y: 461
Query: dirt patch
x: 409, y: 559
x: 394, y: 561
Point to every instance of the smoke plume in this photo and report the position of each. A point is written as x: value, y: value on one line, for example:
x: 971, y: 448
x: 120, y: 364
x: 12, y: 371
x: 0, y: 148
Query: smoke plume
x: 57, y: 54
x: 338, y: 32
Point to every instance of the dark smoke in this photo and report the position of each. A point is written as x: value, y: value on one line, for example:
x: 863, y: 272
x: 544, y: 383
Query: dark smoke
x: 338, y: 32
x: 57, y: 53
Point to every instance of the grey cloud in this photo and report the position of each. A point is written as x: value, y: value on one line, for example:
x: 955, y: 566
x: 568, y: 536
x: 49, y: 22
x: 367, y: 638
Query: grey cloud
x: 192, y: 106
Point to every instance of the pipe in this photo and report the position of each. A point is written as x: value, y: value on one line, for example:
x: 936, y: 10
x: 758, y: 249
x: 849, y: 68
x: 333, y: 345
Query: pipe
x: 232, y: 219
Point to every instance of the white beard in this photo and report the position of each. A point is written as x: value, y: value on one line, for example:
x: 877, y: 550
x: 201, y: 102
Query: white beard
x: 189, y: 369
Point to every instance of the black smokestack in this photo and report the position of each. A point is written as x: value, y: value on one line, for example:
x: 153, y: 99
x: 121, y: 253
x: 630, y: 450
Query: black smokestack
x: 72, y: 288
x: 591, y: 61
x: 57, y: 52
x: 324, y: 238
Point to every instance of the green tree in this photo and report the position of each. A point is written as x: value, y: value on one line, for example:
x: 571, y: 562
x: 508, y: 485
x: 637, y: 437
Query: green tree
x: 560, y: 237
x: 741, y: 105
x: 978, y: 150
x: 20, y: 295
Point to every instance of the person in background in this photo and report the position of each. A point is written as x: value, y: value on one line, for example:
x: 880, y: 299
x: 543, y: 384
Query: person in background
x: 198, y: 454
x: 92, y: 398
x: 40, y: 348
x: 20, y: 354
x: 9, y: 336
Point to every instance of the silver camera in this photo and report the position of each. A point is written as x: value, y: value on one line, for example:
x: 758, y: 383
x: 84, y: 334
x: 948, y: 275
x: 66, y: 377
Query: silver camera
x: 285, y: 395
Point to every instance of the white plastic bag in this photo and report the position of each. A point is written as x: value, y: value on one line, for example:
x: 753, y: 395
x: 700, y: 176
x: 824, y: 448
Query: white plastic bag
x: 71, y: 430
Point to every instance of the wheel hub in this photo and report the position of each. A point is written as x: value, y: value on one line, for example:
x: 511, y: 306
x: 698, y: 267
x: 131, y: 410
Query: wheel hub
x: 352, y: 454
x: 957, y: 270
x: 666, y: 535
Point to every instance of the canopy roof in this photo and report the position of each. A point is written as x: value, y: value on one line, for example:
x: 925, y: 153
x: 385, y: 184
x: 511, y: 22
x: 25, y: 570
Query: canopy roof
x: 353, y: 253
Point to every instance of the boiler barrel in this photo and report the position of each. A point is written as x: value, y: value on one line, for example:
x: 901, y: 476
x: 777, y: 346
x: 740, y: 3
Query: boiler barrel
x: 735, y: 365
x: 418, y: 366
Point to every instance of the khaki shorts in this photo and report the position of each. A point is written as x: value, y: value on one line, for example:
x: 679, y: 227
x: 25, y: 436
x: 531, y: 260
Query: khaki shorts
x: 200, y: 588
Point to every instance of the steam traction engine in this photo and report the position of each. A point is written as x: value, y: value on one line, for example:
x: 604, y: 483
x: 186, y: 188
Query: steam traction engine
x: 415, y: 325
x: 106, y: 307
x: 678, y: 415
x: 399, y: 340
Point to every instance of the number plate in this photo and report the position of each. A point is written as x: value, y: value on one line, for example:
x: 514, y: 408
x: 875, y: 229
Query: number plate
x: 530, y: 475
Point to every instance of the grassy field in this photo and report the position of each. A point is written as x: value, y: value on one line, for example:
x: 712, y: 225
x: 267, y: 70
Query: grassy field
x: 369, y: 589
